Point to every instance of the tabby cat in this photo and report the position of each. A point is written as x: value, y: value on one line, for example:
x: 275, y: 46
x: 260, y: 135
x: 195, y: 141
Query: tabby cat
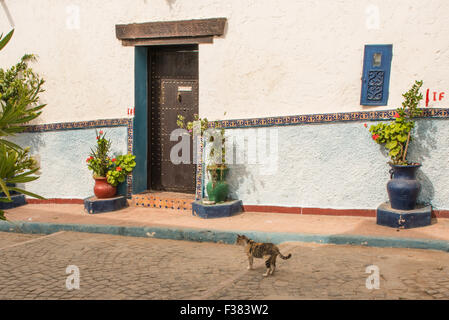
x: 267, y: 251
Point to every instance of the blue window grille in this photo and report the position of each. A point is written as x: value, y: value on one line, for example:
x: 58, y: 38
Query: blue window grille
x: 376, y: 75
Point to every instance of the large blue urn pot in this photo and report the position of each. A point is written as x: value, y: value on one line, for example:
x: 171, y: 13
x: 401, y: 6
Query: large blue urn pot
x: 403, y: 188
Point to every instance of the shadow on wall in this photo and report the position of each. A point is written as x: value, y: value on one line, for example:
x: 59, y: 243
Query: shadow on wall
x: 170, y: 3
x: 238, y: 176
x: 425, y: 133
x: 34, y: 141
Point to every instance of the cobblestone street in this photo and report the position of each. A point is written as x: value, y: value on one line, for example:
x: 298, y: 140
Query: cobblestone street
x: 115, y: 267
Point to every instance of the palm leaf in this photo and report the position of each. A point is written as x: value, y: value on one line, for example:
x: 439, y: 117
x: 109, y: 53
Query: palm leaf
x: 27, y: 193
x: 10, y: 144
x: 24, y: 174
x: 22, y: 179
x: 5, y: 189
x: 5, y: 40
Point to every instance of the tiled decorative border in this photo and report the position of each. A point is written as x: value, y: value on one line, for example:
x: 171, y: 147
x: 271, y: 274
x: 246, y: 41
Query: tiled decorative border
x: 324, y: 118
x: 82, y: 125
x: 199, y: 171
x: 102, y: 123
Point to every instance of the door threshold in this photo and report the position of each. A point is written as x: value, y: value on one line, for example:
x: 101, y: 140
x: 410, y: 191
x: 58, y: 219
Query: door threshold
x: 163, y: 200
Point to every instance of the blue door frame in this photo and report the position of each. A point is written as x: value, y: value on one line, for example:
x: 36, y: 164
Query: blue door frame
x: 140, y: 126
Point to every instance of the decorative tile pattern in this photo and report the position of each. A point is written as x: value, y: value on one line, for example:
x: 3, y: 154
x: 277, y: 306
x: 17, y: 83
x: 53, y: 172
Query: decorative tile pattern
x: 323, y: 118
x: 128, y: 122
x: 199, y: 171
x: 129, y: 178
x: 156, y: 200
x: 79, y: 125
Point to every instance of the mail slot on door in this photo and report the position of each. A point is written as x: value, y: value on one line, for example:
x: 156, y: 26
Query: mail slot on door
x: 182, y: 90
x: 179, y: 97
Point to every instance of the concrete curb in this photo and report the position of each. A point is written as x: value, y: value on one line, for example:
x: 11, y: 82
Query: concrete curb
x: 226, y: 236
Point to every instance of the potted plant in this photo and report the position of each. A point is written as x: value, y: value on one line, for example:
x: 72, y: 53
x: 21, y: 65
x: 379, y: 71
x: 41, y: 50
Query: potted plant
x: 108, y: 172
x: 16, y: 166
x: 19, y: 104
x: 217, y: 188
x: 403, y: 188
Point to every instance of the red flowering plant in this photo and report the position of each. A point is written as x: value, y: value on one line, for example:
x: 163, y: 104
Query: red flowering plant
x: 396, y: 135
x: 114, y: 169
x: 120, y: 168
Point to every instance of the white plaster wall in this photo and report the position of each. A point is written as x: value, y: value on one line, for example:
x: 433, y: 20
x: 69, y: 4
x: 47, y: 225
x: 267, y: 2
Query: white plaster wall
x: 334, y: 166
x: 62, y: 156
x: 276, y: 58
x: 300, y: 57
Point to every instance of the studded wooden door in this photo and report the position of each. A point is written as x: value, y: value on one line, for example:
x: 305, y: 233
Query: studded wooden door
x: 174, y: 91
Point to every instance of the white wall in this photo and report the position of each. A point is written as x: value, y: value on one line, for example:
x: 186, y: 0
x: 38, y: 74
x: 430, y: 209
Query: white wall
x: 276, y: 58
x: 300, y: 57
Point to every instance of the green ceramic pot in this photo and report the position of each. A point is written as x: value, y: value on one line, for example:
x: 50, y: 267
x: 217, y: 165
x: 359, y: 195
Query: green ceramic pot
x: 217, y: 188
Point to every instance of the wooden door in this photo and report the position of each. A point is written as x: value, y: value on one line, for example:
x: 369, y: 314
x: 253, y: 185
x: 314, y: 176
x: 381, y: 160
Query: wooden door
x: 174, y: 91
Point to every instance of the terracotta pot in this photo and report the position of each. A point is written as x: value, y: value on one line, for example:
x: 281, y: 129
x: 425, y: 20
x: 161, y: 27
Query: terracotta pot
x: 103, y: 189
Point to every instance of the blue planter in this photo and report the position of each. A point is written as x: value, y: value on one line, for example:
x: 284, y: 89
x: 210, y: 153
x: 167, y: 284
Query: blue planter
x: 403, y: 188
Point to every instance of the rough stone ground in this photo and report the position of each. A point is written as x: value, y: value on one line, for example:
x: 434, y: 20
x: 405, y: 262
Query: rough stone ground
x: 115, y: 267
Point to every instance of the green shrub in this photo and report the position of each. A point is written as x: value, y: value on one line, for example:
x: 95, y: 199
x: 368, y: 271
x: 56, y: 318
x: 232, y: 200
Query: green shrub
x: 19, y: 103
x: 121, y: 167
x: 396, y: 135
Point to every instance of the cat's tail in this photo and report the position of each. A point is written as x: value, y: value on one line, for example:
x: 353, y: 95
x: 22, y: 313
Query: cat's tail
x: 285, y: 257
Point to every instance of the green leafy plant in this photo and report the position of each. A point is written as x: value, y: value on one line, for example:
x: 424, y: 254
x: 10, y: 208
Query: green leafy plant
x: 16, y: 166
x: 99, y: 160
x: 204, y: 123
x: 19, y: 98
x: 121, y: 167
x: 4, y: 40
x: 396, y: 135
x: 19, y: 103
x: 216, y: 160
x: 114, y: 169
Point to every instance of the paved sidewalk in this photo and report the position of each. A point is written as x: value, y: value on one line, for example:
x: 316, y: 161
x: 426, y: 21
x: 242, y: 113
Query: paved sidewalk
x: 286, y: 224
x: 115, y: 267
